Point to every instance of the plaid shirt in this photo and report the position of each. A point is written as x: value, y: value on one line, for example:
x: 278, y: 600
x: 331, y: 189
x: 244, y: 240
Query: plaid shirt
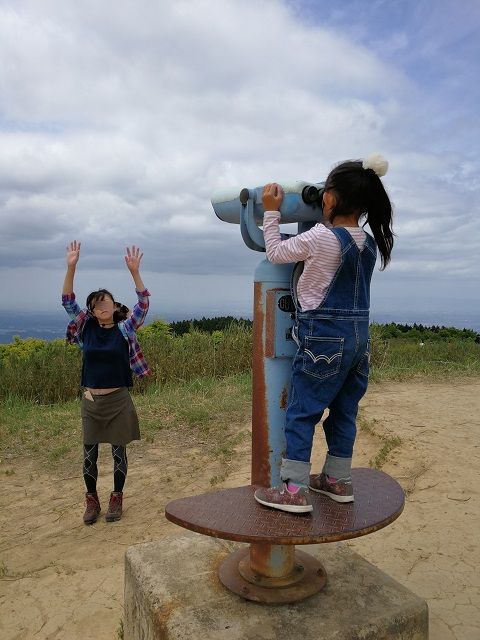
x: 128, y: 328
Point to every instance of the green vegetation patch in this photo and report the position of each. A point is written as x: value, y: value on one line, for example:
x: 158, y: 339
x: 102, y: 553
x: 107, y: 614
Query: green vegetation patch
x: 49, y: 372
x: 403, y: 359
x: 388, y: 442
x: 202, y: 409
x: 200, y: 384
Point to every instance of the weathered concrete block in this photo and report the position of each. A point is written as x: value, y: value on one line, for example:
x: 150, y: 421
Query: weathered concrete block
x: 172, y: 591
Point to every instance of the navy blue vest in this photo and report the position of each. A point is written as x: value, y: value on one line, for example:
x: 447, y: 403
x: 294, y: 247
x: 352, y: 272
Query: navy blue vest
x: 105, y: 357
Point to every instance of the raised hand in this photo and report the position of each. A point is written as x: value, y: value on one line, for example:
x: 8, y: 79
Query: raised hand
x: 132, y: 259
x: 73, y: 253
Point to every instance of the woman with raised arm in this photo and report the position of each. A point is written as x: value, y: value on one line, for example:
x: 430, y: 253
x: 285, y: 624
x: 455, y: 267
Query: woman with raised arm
x: 106, y: 332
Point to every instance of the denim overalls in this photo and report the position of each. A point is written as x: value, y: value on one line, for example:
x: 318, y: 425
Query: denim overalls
x: 330, y: 368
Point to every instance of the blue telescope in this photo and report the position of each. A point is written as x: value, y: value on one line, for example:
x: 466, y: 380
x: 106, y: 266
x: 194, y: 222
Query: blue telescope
x: 274, y: 309
x: 271, y: 571
x: 302, y: 204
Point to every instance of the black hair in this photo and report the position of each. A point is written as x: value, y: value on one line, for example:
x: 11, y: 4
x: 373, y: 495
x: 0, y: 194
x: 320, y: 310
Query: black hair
x: 121, y: 311
x: 360, y: 191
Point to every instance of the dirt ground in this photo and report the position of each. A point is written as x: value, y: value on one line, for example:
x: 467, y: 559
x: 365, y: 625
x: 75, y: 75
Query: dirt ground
x: 62, y: 580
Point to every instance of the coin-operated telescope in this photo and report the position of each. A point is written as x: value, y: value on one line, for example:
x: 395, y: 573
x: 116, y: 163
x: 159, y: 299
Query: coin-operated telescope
x: 302, y: 204
x: 273, y: 316
x: 271, y: 570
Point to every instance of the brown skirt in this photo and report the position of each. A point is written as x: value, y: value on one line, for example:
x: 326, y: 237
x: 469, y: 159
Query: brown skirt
x: 110, y: 418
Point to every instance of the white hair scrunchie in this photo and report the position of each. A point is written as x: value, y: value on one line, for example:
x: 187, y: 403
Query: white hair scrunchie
x: 377, y: 163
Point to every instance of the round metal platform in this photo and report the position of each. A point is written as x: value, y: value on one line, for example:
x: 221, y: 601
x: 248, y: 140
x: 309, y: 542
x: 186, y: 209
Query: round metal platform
x: 233, y: 514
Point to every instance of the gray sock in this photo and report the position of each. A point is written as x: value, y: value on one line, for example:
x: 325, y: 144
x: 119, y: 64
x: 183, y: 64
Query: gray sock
x: 337, y: 467
x: 296, y: 471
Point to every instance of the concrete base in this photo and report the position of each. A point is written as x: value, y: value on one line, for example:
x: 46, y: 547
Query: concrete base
x: 172, y: 591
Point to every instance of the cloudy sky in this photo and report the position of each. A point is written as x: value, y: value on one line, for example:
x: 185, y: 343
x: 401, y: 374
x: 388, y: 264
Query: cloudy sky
x: 118, y: 120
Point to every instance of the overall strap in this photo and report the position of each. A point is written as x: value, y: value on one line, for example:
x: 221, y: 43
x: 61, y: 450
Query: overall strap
x: 295, y: 277
x: 350, y: 286
x: 345, y: 239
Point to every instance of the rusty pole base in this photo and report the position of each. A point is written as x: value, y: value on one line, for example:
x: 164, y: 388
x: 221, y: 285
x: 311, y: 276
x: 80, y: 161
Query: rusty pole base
x: 306, y: 577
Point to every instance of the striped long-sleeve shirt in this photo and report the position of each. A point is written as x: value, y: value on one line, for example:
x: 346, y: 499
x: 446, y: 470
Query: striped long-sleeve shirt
x: 318, y: 248
x: 128, y: 328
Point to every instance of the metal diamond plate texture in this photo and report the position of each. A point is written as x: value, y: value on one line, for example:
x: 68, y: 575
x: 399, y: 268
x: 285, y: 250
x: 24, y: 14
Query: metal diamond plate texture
x: 233, y: 514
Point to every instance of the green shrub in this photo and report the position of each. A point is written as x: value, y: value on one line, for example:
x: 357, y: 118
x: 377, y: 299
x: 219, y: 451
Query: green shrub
x: 405, y: 359
x: 196, y: 354
x: 157, y: 328
x: 40, y: 371
x: 420, y: 332
x: 21, y: 349
x: 48, y: 372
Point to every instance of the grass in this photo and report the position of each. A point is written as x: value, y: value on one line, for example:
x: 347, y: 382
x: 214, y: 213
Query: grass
x: 205, y: 410
x: 57, y: 453
x: 49, y: 372
x: 28, y: 428
x: 201, y: 385
x: 120, y: 631
x: 202, y: 409
x: 400, y: 360
x: 388, y: 442
x: 7, y: 574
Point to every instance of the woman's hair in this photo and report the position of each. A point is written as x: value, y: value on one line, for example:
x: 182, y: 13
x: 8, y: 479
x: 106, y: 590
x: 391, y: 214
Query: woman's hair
x: 121, y: 311
x: 359, y: 190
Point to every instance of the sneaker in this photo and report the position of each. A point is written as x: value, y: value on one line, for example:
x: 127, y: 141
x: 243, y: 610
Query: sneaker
x: 92, y: 510
x: 281, y: 498
x: 341, y: 490
x: 114, y: 512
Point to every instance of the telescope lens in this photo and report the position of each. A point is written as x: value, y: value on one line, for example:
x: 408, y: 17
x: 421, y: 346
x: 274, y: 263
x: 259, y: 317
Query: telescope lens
x: 310, y: 194
x: 244, y: 195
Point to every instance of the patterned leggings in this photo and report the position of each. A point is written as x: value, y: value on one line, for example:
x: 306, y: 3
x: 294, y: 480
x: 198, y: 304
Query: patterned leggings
x: 90, y: 471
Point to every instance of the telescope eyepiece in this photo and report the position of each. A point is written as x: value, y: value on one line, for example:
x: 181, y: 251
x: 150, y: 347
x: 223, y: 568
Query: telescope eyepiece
x: 244, y: 195
x: 310, y: 194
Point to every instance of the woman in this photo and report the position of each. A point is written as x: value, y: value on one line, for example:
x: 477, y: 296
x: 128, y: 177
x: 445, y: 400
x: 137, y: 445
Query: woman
x: 111, y: 352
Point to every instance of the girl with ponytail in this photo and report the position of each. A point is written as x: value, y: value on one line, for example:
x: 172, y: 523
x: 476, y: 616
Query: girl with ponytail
x: 332, y: 295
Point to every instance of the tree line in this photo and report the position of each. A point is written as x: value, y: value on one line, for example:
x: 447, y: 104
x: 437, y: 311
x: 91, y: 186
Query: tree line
x: 424, y: 332
x: 415, y: 331
x: 209, y: 325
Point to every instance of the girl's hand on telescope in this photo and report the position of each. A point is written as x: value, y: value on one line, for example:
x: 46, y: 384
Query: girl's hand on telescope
x: 272, y: 196
x: 132, y: 259
x: 73, y: 253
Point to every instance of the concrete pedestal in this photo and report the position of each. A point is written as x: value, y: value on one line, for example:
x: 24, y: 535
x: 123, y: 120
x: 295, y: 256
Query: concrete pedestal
x: 172, y: 591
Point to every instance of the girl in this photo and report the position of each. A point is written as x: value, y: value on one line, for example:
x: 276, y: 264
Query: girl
x: 330, y: 368
x: 110, y: 353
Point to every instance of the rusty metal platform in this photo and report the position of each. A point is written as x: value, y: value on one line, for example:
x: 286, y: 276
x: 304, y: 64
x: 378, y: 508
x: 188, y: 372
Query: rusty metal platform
x: 233, y: 514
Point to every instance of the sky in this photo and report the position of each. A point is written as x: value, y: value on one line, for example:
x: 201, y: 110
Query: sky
x: 119, y: 120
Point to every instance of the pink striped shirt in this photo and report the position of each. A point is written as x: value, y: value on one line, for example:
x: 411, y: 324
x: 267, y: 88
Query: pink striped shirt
x: 318, y: 248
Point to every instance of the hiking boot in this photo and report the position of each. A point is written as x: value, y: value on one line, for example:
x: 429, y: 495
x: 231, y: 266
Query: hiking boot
x: 284, y: 500
x: 114, y: 511
x: 92, y: 510
x: 340, y: 490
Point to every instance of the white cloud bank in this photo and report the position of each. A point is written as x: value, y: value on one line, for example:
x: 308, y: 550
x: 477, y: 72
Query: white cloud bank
x: 118, y: 121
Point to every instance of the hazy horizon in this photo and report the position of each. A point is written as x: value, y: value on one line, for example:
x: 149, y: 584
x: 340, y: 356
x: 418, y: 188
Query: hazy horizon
x: 49, y: 325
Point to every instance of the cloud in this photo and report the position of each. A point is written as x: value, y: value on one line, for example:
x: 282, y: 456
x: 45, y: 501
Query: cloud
x: 117, y: 126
